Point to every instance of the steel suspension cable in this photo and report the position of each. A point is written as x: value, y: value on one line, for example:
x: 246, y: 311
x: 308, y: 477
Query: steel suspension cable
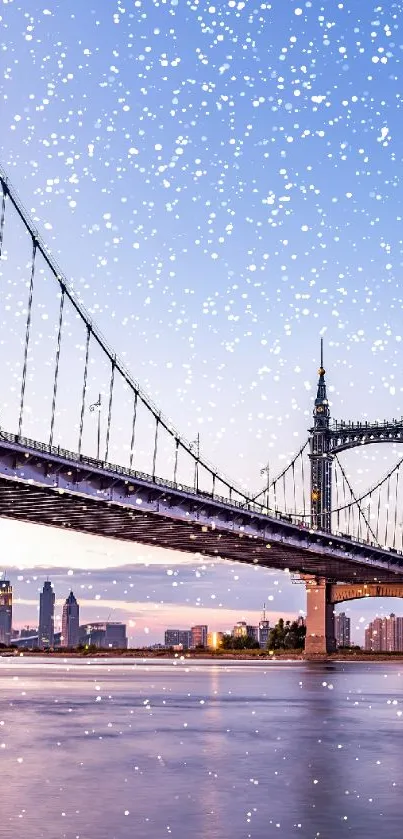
x: 155, y: 446
x: 387, y: 512
x: 3, y: 216
x: 84, y: 393
x: 336, y: 481
x: 369, y: 515
x: 357, y: 501
x: 378, y: 515
x: 303, y: 485
x: 56, y: 376
x: 27, y: 336
x: 133, y: 437
x: 396, y: 496
x: 176, y: 461
x: 97, y: 335
x: 108, y: 429
x: 281, y: 474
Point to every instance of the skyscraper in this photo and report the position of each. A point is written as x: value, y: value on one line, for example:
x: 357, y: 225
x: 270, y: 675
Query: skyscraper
x: 342, y: 630
x: 70, y: 622
x: 6, y: 611
x: 46, y: 616
x: 385, y: 635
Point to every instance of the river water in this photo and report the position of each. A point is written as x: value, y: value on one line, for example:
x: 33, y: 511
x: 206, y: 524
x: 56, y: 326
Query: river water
x: 199, y: 750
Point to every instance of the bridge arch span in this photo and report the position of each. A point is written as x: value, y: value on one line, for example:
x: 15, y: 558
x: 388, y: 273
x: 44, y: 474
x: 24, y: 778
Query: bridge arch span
x: 340, y: 593
x: 357, y: 442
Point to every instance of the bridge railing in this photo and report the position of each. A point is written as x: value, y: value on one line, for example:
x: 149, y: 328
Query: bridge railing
x: 343, y: 426
x: 85, y: 460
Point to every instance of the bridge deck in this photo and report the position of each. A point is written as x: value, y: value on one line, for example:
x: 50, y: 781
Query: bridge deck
x: 38, y: 485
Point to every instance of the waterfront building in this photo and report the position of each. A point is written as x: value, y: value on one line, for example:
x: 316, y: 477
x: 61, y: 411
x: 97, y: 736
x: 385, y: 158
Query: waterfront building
x: 177, y: 638
x: 214, y: 640
x: 198, y: 636
x: 6, y: 611
x: 70, y: 622
x: 385, y: 635
x: 342, y: 630
x: 105, y: 635
x: 245, y: 630
x: 46, y: 616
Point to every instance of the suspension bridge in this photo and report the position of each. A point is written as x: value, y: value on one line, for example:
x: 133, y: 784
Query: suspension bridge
x: 160, y: 490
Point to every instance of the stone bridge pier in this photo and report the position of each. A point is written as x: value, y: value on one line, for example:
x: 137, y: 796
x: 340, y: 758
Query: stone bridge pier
x: 321, y: 596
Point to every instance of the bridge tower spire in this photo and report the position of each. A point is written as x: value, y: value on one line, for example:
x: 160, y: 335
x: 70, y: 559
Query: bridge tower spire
x: 321, y: 459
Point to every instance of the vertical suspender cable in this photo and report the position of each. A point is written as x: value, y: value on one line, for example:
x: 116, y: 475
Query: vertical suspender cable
x: 387, y: 513
x: 293, y: 484
x: 56, y: 377
x: 349, y: 516
x: 87, y: 350
x: 377, y: 517
x: 336, y: 481
x: 284, y: 495
x: 213, y: 487
x: 396, y: 499
x: 303, y: 486
x: 133, y: 430
x: 176, y: 460
x: 3, y: 216
x: 369, y: 514
x: 27, y: 333
x: 155, y: 446
x: 108, y: 429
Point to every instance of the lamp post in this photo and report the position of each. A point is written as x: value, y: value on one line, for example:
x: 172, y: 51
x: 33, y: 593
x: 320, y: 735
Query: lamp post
x: 97, y: 407
x: 196, y: 444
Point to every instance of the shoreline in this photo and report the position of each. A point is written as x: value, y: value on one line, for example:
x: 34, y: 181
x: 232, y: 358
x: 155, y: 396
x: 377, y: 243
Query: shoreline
x: 259, y: 655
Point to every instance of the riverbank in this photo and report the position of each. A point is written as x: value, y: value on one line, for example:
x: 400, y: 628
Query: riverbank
x: 221, y: 655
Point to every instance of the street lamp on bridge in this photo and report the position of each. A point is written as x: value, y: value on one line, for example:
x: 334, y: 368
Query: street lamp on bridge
x: 97, y: 407
x: 266, y: 471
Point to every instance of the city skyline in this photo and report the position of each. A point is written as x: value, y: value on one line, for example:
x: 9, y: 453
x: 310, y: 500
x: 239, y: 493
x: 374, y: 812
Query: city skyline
x: 166, y: 616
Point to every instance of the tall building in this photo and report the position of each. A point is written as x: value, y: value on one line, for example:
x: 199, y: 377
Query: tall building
x: 70, y: 622
x: 107, y: 635
x: 342, y: 630
x: 198, y: 636
x: 263, y: 630
x: 46, y: 616
x: 6, y: 611
x: 385, y: 635
x: 178, y: 638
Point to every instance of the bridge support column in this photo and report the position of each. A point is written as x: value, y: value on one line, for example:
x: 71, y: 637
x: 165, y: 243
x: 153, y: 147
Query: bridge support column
x: 320, y: 638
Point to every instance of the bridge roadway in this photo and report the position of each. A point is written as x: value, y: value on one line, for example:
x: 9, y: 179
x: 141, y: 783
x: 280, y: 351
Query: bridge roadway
x: 50, y: 486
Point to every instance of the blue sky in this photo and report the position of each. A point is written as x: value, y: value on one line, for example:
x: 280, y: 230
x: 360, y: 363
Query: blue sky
x: 222, y: 184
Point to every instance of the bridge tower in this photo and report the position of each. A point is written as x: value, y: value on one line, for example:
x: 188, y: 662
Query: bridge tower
x: 321, y: 459
x: 320, y: 615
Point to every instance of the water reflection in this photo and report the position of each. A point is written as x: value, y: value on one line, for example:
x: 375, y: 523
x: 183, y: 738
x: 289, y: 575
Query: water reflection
x: 112, y: 751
